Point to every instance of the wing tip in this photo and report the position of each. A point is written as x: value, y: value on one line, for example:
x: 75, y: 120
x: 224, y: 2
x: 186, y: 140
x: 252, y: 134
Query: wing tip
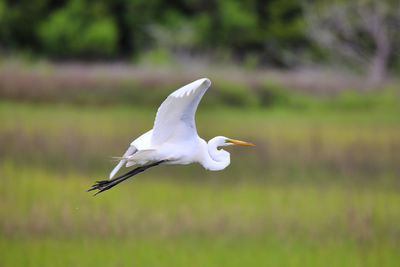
x: 204, y: 81
x: 191, y: 87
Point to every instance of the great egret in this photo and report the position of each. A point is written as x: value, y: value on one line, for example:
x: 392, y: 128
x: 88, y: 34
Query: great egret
x: 174, y: 139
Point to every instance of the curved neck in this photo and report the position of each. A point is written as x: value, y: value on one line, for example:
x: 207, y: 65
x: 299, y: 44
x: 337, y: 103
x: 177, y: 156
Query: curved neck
x: 216, y: 160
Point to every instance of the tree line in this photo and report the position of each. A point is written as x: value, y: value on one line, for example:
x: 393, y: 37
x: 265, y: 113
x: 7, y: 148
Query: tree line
x: 260, y: 32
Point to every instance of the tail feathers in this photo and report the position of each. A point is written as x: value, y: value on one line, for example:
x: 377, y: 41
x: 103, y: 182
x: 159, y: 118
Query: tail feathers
x: 136, y: 157
x: 139, y: 157
x: 132, y: 149
x: 116, y: 168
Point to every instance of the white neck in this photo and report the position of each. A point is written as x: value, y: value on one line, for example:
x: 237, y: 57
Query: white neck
x: 216, y: 160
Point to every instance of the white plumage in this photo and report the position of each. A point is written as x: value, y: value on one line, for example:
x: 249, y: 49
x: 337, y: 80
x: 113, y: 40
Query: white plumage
x: 174, y: 138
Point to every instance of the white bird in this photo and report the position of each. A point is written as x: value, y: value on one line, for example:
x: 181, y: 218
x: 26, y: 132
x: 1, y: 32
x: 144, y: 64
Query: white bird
x: 174, y: 139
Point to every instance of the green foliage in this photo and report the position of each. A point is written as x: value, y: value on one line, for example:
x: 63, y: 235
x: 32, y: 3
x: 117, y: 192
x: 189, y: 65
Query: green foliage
x: 104, y: 28
x: 156, y: 56
x: 2, y: 11
x: 236, y: 20
x: 283, y: 32
x: 273, y: 94
x: 18, y: 22
x: 134, y: 18
x: 234, y: 94
x: 79, y: 30
x: 256, y: 33
x: 351, y: 99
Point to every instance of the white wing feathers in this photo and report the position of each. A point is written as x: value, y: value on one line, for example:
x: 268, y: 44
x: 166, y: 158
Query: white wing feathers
x: 175, y: 116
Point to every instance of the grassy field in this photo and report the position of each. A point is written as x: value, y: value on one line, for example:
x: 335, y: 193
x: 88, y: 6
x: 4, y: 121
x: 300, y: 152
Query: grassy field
x: 321, y: 188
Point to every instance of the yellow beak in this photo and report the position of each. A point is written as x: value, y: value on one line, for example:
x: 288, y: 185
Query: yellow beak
x: 239, y: 143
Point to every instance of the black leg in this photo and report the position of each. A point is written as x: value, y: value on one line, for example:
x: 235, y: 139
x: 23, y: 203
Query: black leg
x: 107, y: 184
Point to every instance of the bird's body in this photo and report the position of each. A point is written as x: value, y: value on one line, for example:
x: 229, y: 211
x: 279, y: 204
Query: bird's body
x: 174, y: 138
x: 142, y: 151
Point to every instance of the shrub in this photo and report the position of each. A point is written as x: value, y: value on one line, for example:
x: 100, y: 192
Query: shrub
x: 235, y: 94
x: 272, y: 93
x: 75, y: 31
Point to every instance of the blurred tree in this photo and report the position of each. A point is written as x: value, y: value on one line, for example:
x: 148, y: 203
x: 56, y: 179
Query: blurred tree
x: 283, y: 31
x: 138, y: 16
x: 263, y: 32
x: 268, y: 29
x: 176, y: 34
x: 79, y: 29
x: 365, y: 31
x: 18, y: 22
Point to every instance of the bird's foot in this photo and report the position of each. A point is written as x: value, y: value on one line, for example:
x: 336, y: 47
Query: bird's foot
x: 102, y: 185
x: 107, y: 184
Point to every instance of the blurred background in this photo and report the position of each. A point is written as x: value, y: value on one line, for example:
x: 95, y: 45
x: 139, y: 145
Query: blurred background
x: 312, y: 83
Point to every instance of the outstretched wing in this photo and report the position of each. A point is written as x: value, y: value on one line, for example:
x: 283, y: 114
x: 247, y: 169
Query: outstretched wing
x: 175, y: 116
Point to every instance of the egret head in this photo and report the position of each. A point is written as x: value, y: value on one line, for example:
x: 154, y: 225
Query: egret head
x: 230, y: 141
x: 225, y: 141
x: 220, y: 158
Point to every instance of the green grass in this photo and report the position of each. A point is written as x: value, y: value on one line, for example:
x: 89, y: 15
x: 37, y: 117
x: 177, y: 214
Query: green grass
x: 321, y: 188
x: 50, y: 219
x: 194, y: 251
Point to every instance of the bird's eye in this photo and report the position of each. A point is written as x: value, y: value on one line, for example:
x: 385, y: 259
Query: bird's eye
x: 227, y: 143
